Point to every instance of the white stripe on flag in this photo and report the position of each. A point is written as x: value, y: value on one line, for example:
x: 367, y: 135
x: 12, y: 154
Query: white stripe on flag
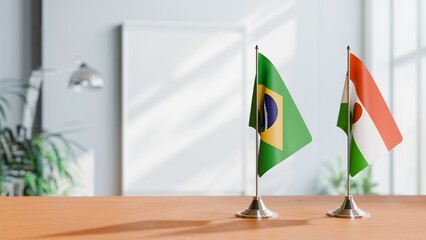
x: 365, y: 133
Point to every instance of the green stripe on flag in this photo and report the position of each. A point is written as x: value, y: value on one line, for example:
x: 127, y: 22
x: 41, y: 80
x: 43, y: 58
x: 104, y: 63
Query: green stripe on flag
x: 358, y: 162
x: 342, y: 119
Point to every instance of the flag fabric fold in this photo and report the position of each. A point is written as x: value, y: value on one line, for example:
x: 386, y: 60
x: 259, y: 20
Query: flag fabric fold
x: 280, y: 124
x: 374, y: 131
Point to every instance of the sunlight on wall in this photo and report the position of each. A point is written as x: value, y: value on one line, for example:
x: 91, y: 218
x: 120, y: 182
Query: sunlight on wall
x: 283, y: 40
x: 222, y: 43
x: 265, y: 13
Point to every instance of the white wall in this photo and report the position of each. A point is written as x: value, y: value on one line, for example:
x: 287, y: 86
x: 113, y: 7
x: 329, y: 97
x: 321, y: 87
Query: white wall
x: 15, y: 47
x: 305, y: 39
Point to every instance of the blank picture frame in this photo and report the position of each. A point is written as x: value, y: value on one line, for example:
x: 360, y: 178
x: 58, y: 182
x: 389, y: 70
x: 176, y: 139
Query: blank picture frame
x: 183, y: 108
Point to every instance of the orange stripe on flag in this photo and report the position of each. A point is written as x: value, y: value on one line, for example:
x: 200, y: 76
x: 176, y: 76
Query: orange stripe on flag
x: 373, y: 102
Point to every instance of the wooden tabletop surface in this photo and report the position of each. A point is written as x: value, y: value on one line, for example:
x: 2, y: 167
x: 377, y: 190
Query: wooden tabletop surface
x: 301, y: 217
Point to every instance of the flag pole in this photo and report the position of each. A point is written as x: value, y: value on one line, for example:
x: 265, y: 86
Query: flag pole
x: 257, y: 122
x: 257, y: 208
x: 348, y: 209
x: 348, y: 193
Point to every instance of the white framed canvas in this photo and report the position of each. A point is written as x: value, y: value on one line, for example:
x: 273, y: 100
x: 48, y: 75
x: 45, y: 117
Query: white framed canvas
x: 184, y: 115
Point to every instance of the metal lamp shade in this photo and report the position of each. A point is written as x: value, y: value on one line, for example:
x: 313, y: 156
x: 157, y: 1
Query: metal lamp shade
x: 86, y: 78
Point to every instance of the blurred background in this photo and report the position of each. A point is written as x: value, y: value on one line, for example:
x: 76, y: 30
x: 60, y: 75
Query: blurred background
x: 172, y: 115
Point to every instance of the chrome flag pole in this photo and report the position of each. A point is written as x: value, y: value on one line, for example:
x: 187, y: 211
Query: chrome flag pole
x: 257, y: 208
x: 348, y: 209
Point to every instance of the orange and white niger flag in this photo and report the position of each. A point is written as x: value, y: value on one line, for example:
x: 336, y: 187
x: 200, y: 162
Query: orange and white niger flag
x: 374, y: 131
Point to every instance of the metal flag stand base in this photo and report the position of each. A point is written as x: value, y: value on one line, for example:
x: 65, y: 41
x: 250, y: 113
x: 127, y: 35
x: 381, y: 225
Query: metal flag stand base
x: 257, y: 209
x: 349, y: 209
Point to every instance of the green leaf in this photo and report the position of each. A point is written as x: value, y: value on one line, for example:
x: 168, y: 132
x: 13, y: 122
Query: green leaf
x: 30, y: 182
x: 5, y: 101
x: 2, y: 113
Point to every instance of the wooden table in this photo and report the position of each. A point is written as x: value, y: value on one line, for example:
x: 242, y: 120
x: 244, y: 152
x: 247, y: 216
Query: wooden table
x: 392, y: 217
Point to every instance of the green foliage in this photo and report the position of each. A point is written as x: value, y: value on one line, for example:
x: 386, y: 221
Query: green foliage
x: 334, y: 181
x: 35, y: 166
x: 42, y: 164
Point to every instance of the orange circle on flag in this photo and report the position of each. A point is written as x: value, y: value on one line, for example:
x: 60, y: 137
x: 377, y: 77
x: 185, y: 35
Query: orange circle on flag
x: 357, y: 112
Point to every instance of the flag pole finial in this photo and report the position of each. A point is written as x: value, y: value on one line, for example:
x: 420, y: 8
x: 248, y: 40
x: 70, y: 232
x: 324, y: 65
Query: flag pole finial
x: 257, y: 47
x: 348, y: 48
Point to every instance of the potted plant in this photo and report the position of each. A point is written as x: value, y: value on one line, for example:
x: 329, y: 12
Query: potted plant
x: 41, y: 164
x: 334, y: 180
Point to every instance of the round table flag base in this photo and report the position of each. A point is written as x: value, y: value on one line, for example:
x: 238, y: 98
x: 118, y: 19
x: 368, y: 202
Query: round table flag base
x: 257, y: 209
x: 349, y: 209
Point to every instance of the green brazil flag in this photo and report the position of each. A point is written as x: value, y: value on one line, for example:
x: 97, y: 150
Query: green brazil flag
x: 280, y: 125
